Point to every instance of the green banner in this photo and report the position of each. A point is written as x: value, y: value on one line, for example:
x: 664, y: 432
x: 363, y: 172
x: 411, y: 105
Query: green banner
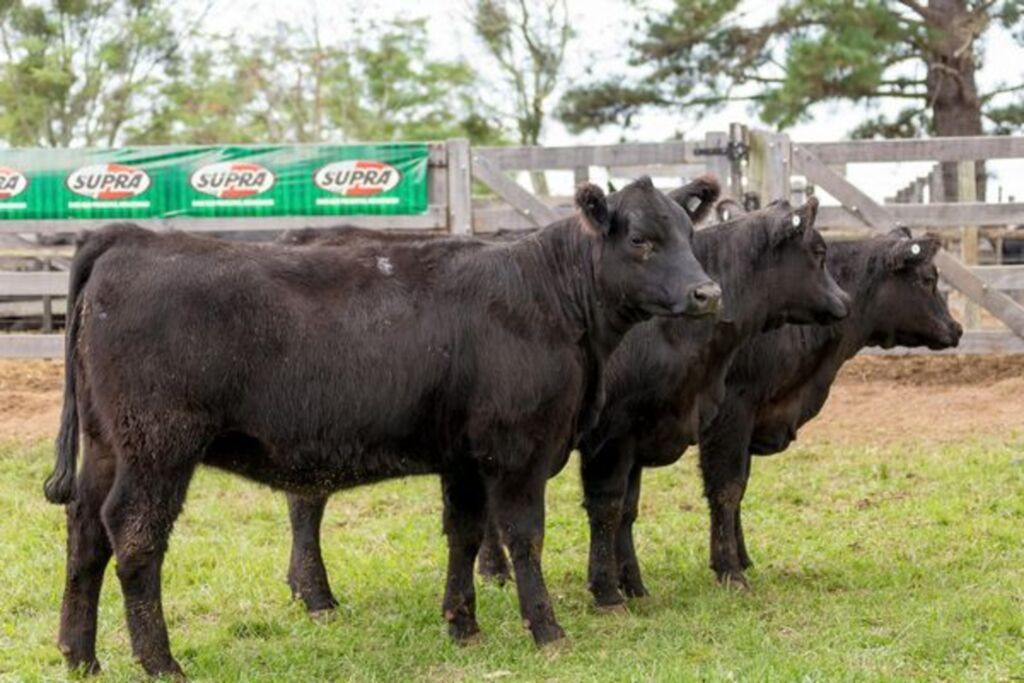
x: 213, y: 181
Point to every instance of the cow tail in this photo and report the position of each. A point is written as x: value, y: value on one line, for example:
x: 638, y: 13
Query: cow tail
x: 59, y: 486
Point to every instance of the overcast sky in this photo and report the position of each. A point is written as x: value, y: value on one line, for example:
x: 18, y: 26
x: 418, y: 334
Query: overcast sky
x: 603, y: 28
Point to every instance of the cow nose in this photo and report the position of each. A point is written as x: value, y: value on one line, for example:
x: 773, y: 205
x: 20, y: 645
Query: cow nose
x: 958, y: 330
x: 703, y: 299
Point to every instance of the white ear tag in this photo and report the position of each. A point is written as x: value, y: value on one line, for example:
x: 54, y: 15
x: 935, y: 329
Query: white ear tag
x: 796, y: 221
x: 915, y: 249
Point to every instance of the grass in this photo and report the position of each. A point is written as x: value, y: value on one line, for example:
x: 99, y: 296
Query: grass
x: 873, y: 563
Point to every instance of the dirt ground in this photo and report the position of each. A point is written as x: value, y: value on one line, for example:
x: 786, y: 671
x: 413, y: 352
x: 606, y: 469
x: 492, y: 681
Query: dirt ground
x: 877, y: 400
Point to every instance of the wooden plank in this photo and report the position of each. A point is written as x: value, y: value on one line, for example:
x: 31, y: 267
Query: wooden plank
x: 535, y: 210
x: 935, y: 149
x: 717, y: 164
x: 33, y: 284
x: 31, y: 308
x: 941, y: 215
x: 966, y: 192
x: 460, y: 188
x: 31, y: 345
x: 494, y: 218
x: 659, y: 171
x: 433, y: 219
x: 972, y: 343
x: 769, y: 166
x: 957, y: 274
x: 1005, y: 278
x: 568, y: 158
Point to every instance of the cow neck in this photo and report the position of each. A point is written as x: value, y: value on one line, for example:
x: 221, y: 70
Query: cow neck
x: 856, y: 269
x: 729, y: 252
x: 568, y: 255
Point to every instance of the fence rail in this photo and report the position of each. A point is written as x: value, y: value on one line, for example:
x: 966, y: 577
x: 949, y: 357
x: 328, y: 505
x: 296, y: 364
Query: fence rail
x: 771, y: 160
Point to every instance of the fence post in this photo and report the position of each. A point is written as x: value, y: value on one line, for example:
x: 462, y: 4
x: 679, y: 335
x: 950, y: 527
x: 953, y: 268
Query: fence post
x: 967, y: 192
x: 737, y: 137
x: 580, y: 174
x: 717, y: 163
x: 460, y: 188
x: 769, y: 165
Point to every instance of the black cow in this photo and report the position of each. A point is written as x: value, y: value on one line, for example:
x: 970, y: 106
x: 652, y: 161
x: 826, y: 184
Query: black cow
x: 312, y: 369
x: 771, y: 267
x: 781, y: 379
x: 665, y: 379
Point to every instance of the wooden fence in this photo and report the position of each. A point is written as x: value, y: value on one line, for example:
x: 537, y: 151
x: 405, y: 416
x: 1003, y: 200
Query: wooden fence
x: 754, y: 167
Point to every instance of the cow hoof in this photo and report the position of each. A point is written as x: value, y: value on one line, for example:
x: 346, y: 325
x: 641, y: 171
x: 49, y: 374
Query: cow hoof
x: 464, y: 630
x: 85, y: 667
x: 607, y: 597
x: 734, y: 580
x: 634, y: 590
x: 550, y: 637
x: 471, y: 640
x: 320, y: 604
x: 165, y: 668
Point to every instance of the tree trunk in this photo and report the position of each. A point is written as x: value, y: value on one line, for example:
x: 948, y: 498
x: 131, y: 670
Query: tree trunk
x: 952, y: 90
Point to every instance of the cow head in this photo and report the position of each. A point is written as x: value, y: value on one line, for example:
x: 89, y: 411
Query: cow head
x: 803, y: 289
x: 907, y: 309
x: 645, y: 261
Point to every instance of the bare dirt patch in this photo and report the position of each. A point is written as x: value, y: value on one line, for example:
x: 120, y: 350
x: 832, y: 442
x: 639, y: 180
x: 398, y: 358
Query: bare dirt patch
x: 876, y: 400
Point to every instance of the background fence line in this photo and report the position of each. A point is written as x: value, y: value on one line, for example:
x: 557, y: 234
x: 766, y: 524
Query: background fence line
x: 754, y: 167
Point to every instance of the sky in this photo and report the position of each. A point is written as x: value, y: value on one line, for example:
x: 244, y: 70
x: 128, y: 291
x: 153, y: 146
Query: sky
x: 603, y: 29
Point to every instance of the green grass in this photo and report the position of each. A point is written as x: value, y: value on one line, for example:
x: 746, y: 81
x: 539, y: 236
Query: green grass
x: 872, y: 564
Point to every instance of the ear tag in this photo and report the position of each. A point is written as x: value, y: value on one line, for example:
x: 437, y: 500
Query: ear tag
x: 796, y: 221
x: 915, y: 249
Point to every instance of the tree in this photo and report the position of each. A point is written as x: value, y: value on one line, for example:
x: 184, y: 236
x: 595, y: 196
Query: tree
x: 702, y: 54
x: 527, y: 42
x: 291, y: 86
x: 80, y: 71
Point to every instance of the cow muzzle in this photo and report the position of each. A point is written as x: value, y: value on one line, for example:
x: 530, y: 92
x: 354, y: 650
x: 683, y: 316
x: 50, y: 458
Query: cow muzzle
x: 701, y: 300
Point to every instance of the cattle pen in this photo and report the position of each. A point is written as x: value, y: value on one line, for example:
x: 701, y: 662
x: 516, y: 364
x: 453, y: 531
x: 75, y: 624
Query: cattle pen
x: 473, y: 190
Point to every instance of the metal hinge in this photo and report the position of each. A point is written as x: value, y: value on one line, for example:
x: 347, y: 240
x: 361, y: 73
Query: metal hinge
x: 734, y: 151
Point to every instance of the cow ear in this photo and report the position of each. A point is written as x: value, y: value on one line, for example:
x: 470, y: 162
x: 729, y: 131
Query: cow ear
x: 794, y: 223
x: 593, y: 208
x: 729, y: 208
x: 913, y: 252
x: 901, y: 232
x: 697, y: 198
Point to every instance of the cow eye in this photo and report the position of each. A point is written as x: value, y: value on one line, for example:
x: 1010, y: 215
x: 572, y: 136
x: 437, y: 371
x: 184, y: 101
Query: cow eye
x: 637, y: 240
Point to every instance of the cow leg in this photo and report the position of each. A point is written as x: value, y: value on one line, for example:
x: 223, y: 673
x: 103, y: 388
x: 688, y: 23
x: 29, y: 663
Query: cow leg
x: 518, y: 502
x: 724, y: 464
x: 492, y: 561
x: 87, y: 557
x: 465, y: 514
x: 741, y: 544
x: 605, y: 480
x: 307, y: 575
x: 138, y: 515
x: 629, y: 567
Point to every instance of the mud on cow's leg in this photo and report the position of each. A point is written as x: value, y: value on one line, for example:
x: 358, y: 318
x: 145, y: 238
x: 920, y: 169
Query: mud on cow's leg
x: 88, y: 553
x: 465, y: 513
x: 492, y: 562
x: 139, y: 514
x: 605, y: 480
x: 629, y: 566
x: 307, y: 575
x: 517, y: 500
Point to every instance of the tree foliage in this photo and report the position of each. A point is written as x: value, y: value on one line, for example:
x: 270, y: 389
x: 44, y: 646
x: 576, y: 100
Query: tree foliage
x: 702, y: 54
x: 107, y: 72
x: 81, y: 71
